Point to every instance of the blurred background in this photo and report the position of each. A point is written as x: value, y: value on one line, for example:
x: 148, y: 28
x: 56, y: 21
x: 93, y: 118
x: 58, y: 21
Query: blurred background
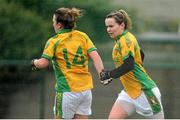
x: 25, y: 26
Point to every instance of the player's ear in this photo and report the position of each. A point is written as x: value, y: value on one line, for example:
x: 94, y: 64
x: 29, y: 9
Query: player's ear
x: 122, y: 25
x: 60, y: 26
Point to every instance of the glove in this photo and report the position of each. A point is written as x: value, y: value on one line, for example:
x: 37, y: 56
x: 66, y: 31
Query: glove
x: 105, y: 77
x: 33, y: 67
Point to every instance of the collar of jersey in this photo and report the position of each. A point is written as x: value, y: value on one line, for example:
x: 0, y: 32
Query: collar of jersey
x: 64, y: 31
x: 124, y: 32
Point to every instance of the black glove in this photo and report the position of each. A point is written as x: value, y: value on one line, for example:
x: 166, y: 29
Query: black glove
x: 105, y: 77
x: 33, y: 67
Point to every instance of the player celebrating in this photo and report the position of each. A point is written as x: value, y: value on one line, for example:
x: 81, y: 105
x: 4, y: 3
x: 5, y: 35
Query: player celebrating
x: 69, y: 51
x: 140, y: 93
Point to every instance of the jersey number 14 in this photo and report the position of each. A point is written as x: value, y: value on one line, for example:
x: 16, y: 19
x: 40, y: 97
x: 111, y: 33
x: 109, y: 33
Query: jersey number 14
x: 79, y: 58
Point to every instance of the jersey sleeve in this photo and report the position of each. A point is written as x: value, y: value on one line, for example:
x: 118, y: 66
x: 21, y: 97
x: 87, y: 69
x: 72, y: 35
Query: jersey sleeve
x: 127, y: 47
x: 48, y: 50
x: 89, y: 44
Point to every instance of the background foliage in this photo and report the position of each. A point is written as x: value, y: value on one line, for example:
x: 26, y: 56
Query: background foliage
x: 26, y: 24
x: 23, y: 33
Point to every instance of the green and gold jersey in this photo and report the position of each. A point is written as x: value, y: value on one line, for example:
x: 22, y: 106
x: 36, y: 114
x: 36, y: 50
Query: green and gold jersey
x: 137, y: 79
x: 69, y: 51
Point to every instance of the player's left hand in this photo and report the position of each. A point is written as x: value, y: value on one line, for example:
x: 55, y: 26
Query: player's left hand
x: 105, y: 77
x: 33, y: 67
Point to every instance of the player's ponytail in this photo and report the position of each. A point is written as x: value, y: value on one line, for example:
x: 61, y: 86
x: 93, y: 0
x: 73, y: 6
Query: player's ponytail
x: 127, y: 20
x: 68, y: 17
x: 75, y: 13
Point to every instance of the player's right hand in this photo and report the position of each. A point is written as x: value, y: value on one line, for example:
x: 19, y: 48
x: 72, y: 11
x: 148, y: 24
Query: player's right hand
x: 107, y: 81
x: 105, y: 77
x: 33, y: 67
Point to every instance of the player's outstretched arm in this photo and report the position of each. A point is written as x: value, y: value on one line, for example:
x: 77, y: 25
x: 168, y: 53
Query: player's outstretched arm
x: 107, y: 76
x: 98, y: 64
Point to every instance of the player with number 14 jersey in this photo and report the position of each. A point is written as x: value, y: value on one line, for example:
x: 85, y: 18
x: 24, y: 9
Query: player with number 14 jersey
x: 68, y: 51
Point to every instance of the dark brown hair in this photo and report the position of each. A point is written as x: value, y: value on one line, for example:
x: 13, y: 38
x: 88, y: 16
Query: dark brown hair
x: 121, y: 17
x: 67, y: 16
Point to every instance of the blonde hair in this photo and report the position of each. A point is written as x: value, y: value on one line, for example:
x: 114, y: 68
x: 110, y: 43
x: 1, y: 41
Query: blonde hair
x: 121, y: 17
x: 67, y: 16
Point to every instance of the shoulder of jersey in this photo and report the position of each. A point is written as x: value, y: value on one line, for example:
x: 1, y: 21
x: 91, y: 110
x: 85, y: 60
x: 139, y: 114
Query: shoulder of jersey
x: 80, y: 32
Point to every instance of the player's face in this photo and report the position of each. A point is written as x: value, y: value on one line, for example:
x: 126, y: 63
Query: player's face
x: 113, y: 28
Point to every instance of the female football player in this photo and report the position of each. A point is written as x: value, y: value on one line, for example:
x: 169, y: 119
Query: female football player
x: 140, y: 92
x: 69, y: 50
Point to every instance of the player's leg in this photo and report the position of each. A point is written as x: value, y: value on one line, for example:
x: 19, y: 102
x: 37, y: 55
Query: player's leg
x: 117, y: 112
x: 122, y: 108
x: 84, y: 109
x: 77, y: 116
